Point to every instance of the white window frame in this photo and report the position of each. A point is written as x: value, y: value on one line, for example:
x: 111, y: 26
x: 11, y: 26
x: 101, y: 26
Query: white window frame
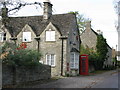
x: 50, y: 59
x: 27, y: 37
x: 2, y: 36
x: 50, y: 35
x: 74, y: 61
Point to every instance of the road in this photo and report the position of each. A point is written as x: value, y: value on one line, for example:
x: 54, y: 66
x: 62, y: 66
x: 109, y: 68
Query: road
x: 107, y: 79
x: 108, y: 82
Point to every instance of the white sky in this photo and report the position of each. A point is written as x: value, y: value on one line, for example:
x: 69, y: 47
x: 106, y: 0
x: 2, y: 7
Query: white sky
x: 101, y: 13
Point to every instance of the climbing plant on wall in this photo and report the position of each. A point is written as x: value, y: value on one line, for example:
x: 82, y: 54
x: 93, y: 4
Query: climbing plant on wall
x: 101, y: 51
x: 102, y: 47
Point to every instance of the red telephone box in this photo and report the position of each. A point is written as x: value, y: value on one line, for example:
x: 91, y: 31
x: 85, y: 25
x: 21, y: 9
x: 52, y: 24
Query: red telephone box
x: 84, y: 64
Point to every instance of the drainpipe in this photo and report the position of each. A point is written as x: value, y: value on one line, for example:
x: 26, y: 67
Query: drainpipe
x: 62, y: 53
x: 38, y: 41
x: 62, y: 59
x: 38, y: 45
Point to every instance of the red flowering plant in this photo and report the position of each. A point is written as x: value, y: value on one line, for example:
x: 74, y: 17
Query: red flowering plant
x: 20, y: 56
x: 22, y: 46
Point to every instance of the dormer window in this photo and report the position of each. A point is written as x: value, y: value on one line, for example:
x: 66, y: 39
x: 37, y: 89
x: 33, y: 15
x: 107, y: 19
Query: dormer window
x: 50, y: 35
x: 2, y: 36
x: 26, y: 36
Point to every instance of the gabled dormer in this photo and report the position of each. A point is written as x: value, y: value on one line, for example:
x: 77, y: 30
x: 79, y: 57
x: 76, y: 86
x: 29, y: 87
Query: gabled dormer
x: 51, y: 33
x: 4, y: 34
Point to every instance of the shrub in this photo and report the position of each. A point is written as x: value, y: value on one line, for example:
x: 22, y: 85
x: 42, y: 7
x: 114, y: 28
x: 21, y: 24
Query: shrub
x: 21, y: 57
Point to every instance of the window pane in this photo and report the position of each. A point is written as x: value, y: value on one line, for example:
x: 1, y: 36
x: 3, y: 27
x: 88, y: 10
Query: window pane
x: 52, y: 59
x: 76, y: 61
x: 47, y: 35
x: 72, y: 61
x: 1, y: 37
x: 48, y: 59
x: 26, y: 36
x: 50, y: 35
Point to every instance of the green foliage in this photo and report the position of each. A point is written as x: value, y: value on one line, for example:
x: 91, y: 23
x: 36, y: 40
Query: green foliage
x: 102, y: 47
x: 97, y: 57
x: 87, y: 50
x: 81, y: 20
x: 22, y: 57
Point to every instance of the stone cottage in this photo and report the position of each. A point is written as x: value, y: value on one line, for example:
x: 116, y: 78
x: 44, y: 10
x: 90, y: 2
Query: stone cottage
x: 55, y: 36
x: 89, y: 39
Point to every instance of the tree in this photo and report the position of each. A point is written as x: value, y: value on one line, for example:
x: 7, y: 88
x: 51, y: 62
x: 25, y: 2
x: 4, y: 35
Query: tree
x: 15, y: 5
x: 81, y: 20
x: 102, y: 47
x: 101, y: 50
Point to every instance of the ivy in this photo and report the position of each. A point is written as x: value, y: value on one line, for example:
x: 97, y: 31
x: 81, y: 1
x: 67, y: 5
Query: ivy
x: 102, y: 47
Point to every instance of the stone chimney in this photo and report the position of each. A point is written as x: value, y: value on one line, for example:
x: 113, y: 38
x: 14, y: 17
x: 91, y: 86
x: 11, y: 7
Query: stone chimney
x: 88, y: 25
x: 4, y: 14
x: 47, y: 12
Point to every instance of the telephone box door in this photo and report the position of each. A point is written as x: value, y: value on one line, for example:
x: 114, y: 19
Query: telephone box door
x: 84, y: 65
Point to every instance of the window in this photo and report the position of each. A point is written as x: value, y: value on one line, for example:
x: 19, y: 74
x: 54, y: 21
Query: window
x: 26, y: 36
x: 50, y: 60
x: 74, y: 62
x: 2, y: 36
x: 50, y: 35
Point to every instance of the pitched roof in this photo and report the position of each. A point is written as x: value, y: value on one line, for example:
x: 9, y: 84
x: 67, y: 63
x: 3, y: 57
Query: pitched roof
x: 63, y: 22
x: 74, y: 50
x: 97, y: 35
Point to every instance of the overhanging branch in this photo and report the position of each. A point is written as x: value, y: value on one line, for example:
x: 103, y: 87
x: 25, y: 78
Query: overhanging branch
x: 20, y: 5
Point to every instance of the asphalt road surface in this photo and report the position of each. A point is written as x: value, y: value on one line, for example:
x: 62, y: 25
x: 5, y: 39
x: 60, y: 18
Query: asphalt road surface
x: 0, y: 74
x: 109, y: 82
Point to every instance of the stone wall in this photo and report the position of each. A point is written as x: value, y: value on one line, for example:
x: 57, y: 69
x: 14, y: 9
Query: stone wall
x: 18, y: 75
